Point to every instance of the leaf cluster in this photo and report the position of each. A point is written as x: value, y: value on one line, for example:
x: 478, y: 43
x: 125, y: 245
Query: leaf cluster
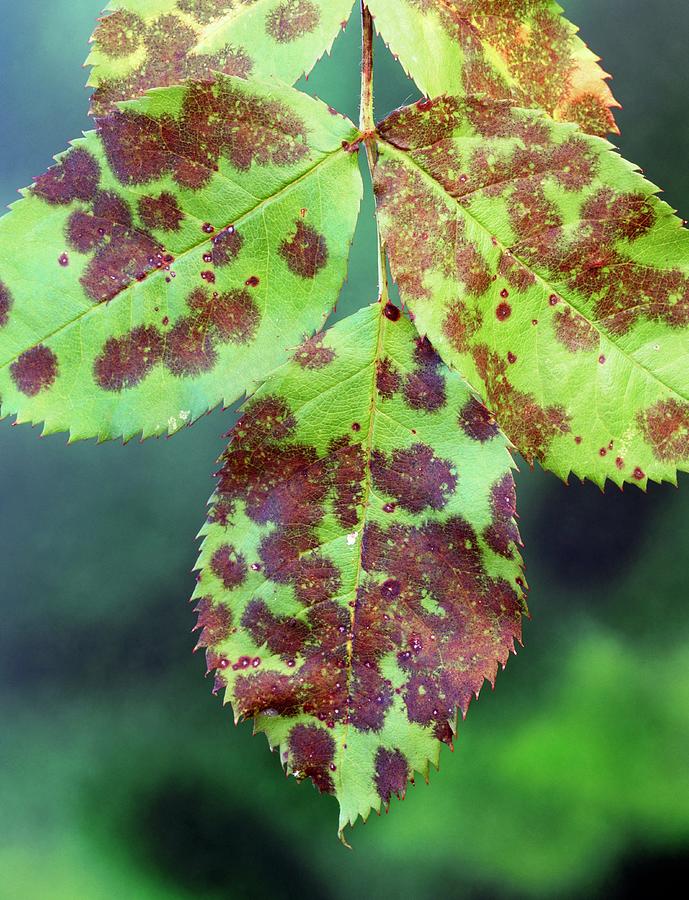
x: 360, y: 575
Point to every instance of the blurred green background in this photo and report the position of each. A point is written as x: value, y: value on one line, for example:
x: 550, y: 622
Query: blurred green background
x: 122, y: 777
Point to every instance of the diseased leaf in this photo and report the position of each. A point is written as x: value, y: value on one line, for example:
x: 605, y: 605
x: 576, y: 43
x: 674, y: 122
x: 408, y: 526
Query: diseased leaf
x: 523, y: 50
x: 143, y: 44
x: 544, y: 267
x: 359, y: 574
x: 173, y: 257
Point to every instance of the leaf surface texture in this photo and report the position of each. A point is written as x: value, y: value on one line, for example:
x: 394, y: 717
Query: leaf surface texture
x: 360, y: 576
x: 522, y: 50
x: 174, y: 257
x: 142, y: 44
x: 544, y: 268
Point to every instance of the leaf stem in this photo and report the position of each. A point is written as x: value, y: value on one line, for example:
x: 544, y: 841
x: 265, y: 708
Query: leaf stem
x: 366, y: 120
x: 367, y: 126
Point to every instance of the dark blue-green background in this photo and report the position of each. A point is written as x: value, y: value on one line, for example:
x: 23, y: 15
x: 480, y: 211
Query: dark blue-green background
x: 120, y: 775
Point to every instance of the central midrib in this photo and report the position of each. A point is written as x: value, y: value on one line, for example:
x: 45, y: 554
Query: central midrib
x: 368, y: 484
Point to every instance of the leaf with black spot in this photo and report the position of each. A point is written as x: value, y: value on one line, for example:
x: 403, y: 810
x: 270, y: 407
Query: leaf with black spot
x: 360, y: 576
x: 522, y: 50
x: 143, y: 44
x: 173, y: 257
x: 545, y: 269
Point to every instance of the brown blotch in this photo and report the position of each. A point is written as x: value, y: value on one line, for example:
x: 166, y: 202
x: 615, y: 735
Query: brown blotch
x: 312, y: 354
x: 518, y: 276
x: 502, y: 534
x: 622, y: 215
x: 312, y: 751
x: 109, y: 217
x: 425, y: 387
x: 574, y: 332
x: 403, y: 198
x: 477, y: 422
x: 416, y: 478
x: 135, y: 147
x: 391, y: 774
x: 129, y: 256
x: 472, y: 268
x: 226, y: 246
x: 119, y: 34
x: 316, y: 580
x: 233, y: 315
x: 216, y: 120
x: 574, y: 164
x: 125, y: 362
x: 214, y: 621
x: 267, y: 419
x: 35, y: 370
x: 5, y: 304
x: 206, y: 11
x: 76, y: 177
x: 591, y: 114
x: 665, y: 427
x: 166, y: 57
x: 229, y: 566
x: 284, y: 636
x: 291, y: 20
x: 446, y: 655
x: 266, y: 692
x: 591, y: 262
x: 349, y: 473
x: 461, y: 325
x: 388, y: 378
x: 161, y: 213
x: 189, y: 349
x: 306, y: 253
x: 530, y: 426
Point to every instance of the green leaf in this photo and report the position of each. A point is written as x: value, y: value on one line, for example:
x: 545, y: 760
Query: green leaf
x: 359, y: 573
x: 523, y: 50
x: 173, y: 257
x: 144, y: 44
x: 544, y: 267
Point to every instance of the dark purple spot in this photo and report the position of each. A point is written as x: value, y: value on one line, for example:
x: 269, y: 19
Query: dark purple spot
x: 189, y: 349
x: 477, y: 422
x: 502, y: 534
x: 160, y: 213
x: 313, y: 355
x: 392, y: 774
x: 388, y: 379
x: 416, y: 478
x: 425, y: 389
x: 306, y: 253
x: 292, y: 19
x: 226, y: 246
x: 125, y: 362
x: 229, y: 566
x: 312, y: 751
x: 76, y: 177
x: 285, y: 636
x: 35, y: 370
x: 5, y: 304
x: 214, y: 620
